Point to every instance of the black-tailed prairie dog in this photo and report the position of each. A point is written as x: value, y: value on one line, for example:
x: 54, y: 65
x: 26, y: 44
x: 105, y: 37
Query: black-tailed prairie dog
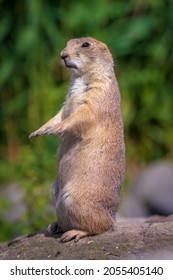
x: 91, y: 160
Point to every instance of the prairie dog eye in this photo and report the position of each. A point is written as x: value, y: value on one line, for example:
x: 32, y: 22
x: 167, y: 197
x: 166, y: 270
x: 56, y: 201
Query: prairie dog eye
x: 85, y: 45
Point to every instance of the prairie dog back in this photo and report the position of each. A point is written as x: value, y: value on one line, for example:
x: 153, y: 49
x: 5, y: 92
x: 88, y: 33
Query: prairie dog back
x: 91, y: 161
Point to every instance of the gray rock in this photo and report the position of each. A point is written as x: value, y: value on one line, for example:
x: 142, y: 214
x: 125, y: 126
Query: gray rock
x: 14, y: 195
x: 151, y: 192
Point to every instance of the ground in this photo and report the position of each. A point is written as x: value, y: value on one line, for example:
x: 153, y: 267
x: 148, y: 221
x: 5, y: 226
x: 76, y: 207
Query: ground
x: 150, y: 238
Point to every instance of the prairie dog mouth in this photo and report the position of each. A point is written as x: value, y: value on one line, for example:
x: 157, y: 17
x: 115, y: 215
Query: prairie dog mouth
x: 69, y: 64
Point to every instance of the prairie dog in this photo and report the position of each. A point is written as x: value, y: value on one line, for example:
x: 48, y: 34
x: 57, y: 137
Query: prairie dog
x: 91, y: 159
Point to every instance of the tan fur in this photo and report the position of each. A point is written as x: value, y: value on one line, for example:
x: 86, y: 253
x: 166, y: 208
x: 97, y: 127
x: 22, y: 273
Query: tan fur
x: 92, y: 152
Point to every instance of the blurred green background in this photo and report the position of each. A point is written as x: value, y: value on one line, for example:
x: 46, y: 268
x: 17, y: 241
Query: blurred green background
x: 33, y: 86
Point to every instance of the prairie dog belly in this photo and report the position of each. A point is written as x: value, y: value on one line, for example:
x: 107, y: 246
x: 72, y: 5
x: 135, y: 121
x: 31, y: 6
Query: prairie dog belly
x: 85, y: 159
x: 95, y: 154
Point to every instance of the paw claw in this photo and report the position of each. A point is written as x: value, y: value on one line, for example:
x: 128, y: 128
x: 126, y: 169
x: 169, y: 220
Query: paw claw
x: 73, y: 234
x: 32, y: 135
x: 37, y: 133
x: 48, y: 131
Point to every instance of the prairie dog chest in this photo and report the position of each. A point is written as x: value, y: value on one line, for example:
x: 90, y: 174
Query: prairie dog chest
x: 75, y: 96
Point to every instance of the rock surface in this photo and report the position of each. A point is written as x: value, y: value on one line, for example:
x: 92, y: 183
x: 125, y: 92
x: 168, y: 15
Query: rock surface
x: 150, y: 192
x: 150, y: 238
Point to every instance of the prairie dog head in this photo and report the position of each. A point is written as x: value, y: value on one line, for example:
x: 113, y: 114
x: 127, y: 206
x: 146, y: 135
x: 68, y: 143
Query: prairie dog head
x: 86, y: 54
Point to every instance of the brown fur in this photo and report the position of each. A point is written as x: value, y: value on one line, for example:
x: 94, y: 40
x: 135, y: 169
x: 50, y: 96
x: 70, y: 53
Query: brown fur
x: 92, y: 152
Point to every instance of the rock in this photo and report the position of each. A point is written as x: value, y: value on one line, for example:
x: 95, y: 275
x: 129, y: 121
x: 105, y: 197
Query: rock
x: 14, y: 195
x: 150, y: 238
x: 150, y: 193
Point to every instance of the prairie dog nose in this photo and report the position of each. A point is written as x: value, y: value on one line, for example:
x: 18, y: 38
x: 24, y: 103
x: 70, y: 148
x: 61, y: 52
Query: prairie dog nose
x: 63, y: 54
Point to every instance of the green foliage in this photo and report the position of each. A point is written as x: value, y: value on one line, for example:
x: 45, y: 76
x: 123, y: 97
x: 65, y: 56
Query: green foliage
x: 33, y: 85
